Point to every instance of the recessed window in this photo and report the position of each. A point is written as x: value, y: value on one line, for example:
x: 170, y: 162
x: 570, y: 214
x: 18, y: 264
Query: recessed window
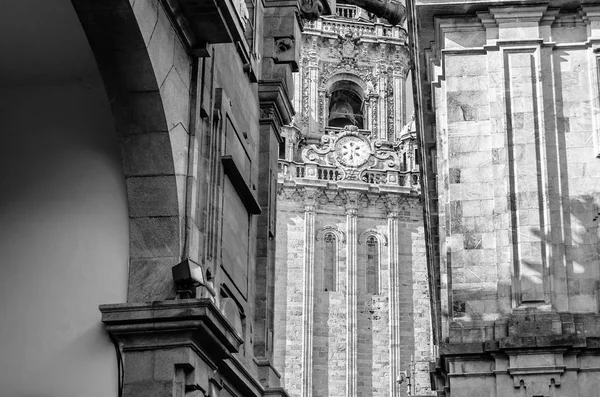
x: 372, y: 267
x: 329, y: 259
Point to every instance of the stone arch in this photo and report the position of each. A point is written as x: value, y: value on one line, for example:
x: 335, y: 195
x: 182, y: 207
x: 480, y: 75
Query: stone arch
x: 382, y: 238
x: 347, y: 97
x: 120, y: 36
x: 345, y: 76
x: 340, y: 235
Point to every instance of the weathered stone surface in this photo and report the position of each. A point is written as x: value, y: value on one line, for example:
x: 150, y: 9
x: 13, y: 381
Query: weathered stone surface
x: 351, y: 287
x: 513, y: 235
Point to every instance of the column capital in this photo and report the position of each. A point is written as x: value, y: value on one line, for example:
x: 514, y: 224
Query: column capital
x: 351, y: 211
x: 309, y: 207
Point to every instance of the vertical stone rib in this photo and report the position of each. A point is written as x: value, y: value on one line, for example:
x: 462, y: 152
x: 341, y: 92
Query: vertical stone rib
x: 308, y: 298
x: 399, y: 108
x: 351, y: 299
x: 382, y: 109
x: 313, y: 78
x: 394, y: 309
x: 526, y: 160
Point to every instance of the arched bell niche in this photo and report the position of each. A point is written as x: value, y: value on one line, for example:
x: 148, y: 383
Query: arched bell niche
x: 346, y: 104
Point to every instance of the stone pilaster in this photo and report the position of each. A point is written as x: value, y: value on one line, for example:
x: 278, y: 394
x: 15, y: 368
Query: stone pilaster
x: 281, y: 46
x: 308, y: 298
x: 382, y: 107
x: 394, y: 311
x: 399, y: 103
x: 351, y: 299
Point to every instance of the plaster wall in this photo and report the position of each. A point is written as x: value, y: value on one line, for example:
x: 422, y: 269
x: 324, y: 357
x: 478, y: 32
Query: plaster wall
x: 63, y: 239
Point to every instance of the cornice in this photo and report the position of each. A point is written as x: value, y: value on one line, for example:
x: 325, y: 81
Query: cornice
x: 348, y: 199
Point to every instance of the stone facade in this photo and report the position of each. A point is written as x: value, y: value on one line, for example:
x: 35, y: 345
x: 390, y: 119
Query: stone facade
x: 199, y: 96
x: 351, y: 291
x: 508, y: 127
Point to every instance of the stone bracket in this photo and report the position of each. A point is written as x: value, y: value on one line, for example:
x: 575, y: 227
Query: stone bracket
x: 195, y: 321
x: 275, y: 104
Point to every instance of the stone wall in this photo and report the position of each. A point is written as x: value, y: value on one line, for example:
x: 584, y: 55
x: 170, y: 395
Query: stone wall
x: 376, y: 375
x: 509, y: 126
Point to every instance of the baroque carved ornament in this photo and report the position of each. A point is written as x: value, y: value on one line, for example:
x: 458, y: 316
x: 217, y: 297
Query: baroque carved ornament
x: 352, y: 153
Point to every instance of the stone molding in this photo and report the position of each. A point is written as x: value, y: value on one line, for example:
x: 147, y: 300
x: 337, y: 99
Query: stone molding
x: 323, y: 196
x: 189, y: 334
x: 340, y: 235
x: 394, y: 294
x: 352, y: 304
x: 308, y: 303
x: 126, y: 320
x: 381, y: 238
x: 275, y: 104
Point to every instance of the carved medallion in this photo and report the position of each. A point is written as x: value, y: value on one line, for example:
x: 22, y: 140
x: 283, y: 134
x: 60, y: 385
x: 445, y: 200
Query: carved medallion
x: 352, y: 151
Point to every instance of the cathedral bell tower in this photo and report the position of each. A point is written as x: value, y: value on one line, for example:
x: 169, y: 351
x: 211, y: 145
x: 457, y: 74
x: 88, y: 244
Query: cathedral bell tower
x: 351, y: 294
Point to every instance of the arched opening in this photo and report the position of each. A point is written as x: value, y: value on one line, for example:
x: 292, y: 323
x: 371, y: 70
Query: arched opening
x: 84, y: 136
x: 346, y: 104
x: 372, y: 266
x: 329, y: 262
x: 64, y: 227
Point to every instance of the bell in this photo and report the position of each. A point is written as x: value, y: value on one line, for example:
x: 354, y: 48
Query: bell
x: 341, y: 114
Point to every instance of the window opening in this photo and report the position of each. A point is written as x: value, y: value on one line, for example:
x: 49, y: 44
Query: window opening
x: 329, y: 267
x: 372, y: 266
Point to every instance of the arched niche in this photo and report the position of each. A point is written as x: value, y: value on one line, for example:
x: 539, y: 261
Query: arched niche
x: 346, y: 93
x: 329, y: 243
x: 373, y: 243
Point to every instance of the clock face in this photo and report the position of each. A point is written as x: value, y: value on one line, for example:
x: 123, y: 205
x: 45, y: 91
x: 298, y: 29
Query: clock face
x: 352, y: 151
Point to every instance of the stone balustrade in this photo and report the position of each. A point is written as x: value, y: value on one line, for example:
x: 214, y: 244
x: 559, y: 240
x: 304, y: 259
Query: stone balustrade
x: 355, y: 27
x: 294, y: 170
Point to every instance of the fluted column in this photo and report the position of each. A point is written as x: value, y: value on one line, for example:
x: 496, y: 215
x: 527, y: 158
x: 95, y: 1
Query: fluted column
x: 308, y: 299
x: 394, y: 311
x: 351, y: 300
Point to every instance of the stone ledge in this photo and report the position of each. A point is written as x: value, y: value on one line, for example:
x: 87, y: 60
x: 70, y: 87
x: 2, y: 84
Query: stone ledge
x: 514, y: 342
x: 192, y: 321
x: 541, y: 329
